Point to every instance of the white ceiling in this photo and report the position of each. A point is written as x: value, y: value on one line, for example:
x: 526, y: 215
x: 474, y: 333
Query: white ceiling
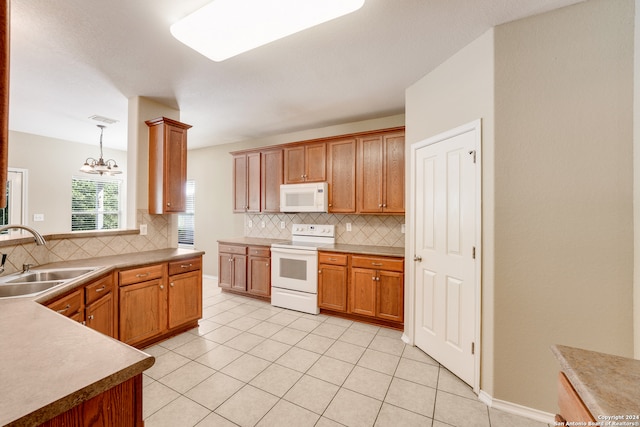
x: 75, y: 58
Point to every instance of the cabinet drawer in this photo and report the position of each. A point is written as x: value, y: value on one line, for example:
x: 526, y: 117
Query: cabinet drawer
x: 142, y: 274
x: 69, y: 305
x: 332, y: 258
x: 232, y: 249
x: 185, y: 265
x: 378, y: 263
x: 260, y: 251
x: 98, y: 289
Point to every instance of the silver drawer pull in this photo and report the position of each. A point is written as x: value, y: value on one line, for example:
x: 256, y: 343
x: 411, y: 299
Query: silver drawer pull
x: 101, y: 289
x: 186, y: 265
x: 333, y: 259
x: 377, y: 264
x: 142, y: 275
x: 65, y: 309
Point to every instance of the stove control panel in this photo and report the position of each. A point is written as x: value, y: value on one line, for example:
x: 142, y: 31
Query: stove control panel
x: 321, y: 230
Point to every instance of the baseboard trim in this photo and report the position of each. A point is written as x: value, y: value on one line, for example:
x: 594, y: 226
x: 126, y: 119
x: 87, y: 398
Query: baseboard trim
x: 209, y: 277
x: 514, y: 408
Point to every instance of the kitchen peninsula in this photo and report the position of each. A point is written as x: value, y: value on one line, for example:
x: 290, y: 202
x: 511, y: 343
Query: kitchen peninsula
x: 54, y: 370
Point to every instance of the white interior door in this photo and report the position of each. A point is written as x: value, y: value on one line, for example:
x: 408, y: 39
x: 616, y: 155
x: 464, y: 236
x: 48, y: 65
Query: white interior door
x: 446, y: 215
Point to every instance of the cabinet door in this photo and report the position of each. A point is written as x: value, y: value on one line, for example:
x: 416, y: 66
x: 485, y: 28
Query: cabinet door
x: 100, y: 315
x: 142, y: 311
x: 239, y: 281
x: 315, y: 162
x: 362, y: 292
x: 332, y: 287
x: 390, y: 296
x: 259, y: 273
x: 240, y: 183
x: 341, y: 176
x: 393, y: 199
x: 175, y: 174
x: 272, y: 170
x: 294, y: 164
x: 184, y: 298
x: 253, y: 182
x: 225, y: 270
x: 370, y: 174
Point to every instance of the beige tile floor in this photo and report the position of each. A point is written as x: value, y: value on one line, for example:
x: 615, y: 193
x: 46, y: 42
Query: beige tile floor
x: 251, y: 364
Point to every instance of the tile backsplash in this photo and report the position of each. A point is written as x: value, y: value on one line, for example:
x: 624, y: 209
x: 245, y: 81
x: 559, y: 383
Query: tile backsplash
x: 72, y: 248
x: 375, y: 230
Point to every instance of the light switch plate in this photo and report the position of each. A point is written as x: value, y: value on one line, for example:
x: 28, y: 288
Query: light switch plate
x: 38, y: 217
x: 348, y: 226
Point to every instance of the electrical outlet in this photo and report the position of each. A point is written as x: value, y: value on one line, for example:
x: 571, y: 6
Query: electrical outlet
x: 402, y: 229
x: 283, y: 225
x: 348, y: 226
x: 262, y: 224
x: 143, y: 229
x: 250, y: 224
x: 38, y: 217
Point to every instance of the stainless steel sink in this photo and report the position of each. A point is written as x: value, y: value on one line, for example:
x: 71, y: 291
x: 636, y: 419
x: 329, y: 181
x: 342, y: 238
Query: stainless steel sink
x: 38, y: 280
x: 48, y: 275
x: 22, y: 289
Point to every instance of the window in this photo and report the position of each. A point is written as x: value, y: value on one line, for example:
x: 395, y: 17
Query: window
x: 95, y: 204
x: 186, y: 219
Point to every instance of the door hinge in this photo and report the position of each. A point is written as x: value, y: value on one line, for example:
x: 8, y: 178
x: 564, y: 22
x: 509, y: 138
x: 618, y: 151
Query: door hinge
x: 473, y: 348
x: 473, y: 253
x: 473, y: 153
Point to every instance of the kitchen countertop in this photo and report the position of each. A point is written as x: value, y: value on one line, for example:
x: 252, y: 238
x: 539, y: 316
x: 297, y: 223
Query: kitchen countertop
x: 365, y: 249
x: 336, y: 247
x: 607, y: 384
x: 50, y: 363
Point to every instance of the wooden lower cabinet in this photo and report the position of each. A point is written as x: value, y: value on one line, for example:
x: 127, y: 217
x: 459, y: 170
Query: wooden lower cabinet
x: 572, y: 408
x: 119, y: 406
x: 245, y: 269
x: 100, y: 315
x: 368, y: 286
x: 142, y: 311
x: 71, y: 305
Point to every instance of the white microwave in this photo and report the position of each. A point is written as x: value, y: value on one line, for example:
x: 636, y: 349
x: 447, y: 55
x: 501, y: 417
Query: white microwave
x: 307, y: 197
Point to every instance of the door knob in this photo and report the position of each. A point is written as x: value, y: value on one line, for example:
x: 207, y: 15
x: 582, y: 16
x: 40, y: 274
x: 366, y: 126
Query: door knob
x: 417, y: 258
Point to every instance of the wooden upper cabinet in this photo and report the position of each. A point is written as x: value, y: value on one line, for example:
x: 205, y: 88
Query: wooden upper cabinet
x: 167, y: 165
x: 305, y: 163
x: 5, y: 18
x: 246, y: 173
x: 272, y: 170
x: 341, y: 175
x: 380, y: 180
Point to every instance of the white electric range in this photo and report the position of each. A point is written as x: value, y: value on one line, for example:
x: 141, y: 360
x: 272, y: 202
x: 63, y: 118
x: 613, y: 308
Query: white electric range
x: 294, y: 267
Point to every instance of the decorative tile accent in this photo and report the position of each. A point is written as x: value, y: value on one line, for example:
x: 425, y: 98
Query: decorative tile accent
x: 375, y: 230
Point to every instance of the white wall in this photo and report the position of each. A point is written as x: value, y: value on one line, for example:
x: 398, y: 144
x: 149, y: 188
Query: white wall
x: 51, y: 163
x: 212, y: 169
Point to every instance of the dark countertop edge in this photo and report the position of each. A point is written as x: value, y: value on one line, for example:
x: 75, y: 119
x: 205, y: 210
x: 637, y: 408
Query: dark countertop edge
x: 90, y: 391
x: 109, y: 263
x: 604, y: 395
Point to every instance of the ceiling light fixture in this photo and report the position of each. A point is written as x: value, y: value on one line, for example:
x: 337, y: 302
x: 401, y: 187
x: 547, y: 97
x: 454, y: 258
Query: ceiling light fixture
x: 226, y: 28
x: 93, y: 166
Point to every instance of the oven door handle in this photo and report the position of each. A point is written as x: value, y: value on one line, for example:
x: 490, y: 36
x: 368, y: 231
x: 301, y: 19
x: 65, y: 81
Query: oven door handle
x: 291, y: 251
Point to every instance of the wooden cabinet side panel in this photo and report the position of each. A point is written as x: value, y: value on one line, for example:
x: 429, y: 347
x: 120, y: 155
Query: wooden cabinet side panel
x: 362, y: 292
x: 390, y: 296
x: 240, y: 183
x: 156, y: 160
x: 571, y: 406
x: 370, y: 174
x: 394, y: 169
x: 175, y: 174
x: 272, y: 177
x: 184, y: 299
x: 341, y: 176
x: 332, y: 287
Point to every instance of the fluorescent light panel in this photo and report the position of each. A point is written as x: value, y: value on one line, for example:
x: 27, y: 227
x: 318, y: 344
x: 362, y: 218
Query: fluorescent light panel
x: 226, y: 28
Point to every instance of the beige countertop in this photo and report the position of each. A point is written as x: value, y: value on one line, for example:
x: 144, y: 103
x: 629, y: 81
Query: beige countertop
x: 336, y: 247
x: 608, y: 385
x: 365, y: 249
x: 50, y: 363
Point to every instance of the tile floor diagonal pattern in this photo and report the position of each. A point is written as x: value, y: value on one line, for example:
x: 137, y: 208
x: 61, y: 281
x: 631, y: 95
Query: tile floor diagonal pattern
x: 251, y: 364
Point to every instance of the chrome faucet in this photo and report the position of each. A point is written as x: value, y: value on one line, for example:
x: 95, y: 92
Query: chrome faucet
x: 39, y: 239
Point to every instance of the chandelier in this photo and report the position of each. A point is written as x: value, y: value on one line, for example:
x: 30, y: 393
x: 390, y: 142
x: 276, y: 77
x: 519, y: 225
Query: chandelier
x: 100, y: 166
